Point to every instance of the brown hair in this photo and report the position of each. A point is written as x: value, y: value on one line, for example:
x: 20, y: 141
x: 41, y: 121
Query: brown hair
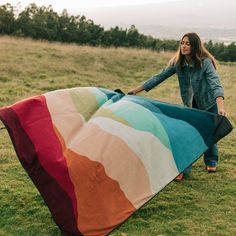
x: 198, y: 52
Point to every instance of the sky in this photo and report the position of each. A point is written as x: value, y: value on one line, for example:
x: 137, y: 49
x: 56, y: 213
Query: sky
x: 79, y: 4
x: 166, y: 19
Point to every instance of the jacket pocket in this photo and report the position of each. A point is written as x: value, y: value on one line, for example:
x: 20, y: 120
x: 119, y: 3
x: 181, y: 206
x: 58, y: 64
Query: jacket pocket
x: 208, y: 99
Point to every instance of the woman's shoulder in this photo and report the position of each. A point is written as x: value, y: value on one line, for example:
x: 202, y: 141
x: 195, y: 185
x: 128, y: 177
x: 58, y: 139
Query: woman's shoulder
x: 208, y: 64
x: 206, y: 61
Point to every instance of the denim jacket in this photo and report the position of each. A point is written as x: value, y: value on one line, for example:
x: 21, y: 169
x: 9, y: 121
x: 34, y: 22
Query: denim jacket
x: 203, y: 83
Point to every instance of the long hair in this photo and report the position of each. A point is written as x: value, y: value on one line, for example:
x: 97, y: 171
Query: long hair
x: 198, y: 52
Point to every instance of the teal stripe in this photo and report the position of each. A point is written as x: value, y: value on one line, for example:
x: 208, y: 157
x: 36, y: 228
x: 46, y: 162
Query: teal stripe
x: 186, y: 142
x: 100, y: 96
x: 140, y: 118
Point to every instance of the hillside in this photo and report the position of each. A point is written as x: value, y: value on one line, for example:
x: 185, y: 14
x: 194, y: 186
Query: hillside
x: 204, y: 204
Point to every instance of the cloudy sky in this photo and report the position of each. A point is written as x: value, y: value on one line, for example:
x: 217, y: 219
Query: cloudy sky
x: 80, y: 4
x: 212, y: 19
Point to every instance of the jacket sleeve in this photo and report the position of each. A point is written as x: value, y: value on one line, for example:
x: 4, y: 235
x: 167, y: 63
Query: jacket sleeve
x: 157, y: 79
x: 214, y: 80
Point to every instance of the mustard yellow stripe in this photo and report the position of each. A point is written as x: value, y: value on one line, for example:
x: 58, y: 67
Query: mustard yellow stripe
x: 104, y: 112
x: 84, y: 101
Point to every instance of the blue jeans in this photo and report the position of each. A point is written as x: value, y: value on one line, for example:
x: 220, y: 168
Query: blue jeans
x: 211, y: 154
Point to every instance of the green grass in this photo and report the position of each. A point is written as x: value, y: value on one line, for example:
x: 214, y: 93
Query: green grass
x: 203, y: 204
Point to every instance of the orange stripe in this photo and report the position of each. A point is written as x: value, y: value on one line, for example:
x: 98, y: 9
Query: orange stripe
x: 101, y: 203
x: 120, y: 162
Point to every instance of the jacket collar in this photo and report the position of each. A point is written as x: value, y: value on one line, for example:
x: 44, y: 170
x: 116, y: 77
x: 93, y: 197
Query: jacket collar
x: 187, y: 65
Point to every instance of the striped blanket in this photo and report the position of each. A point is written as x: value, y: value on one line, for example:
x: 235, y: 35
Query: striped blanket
x: 96, y: 155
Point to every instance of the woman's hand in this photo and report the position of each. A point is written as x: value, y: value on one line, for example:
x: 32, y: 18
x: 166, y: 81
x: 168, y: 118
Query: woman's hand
x: 222, y: 112
x: 220, y: 106
x: 136, y: 90
x: 132, y: 92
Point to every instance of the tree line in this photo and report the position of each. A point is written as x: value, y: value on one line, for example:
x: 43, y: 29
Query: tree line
x: 40, y: 22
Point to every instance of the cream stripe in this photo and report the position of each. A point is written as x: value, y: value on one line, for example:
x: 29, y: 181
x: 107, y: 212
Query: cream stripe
x: 64, y: 113
x: 119, y: 161
x: 157, y: 159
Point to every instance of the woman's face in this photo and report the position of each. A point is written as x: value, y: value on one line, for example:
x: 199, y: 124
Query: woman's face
x: 185, y: 46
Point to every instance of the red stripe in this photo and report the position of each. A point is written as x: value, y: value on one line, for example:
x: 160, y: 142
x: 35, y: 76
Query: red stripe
x: 45, y: 154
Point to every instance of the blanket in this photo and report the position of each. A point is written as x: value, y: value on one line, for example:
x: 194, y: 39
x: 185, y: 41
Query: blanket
x: 96, y: 156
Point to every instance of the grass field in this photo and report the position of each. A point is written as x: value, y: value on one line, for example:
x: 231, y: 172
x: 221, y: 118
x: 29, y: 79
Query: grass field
x: 203, y: 204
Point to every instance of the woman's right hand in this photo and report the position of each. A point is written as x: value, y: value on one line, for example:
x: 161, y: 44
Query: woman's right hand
x: 136, y: 90
x: 132, y: 92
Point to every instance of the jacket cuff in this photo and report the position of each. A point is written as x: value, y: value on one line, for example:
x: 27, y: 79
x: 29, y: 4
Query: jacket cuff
x: 219, y: 94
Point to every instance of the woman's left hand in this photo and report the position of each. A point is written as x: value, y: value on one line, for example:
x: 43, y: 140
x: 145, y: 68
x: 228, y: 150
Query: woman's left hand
x: 222, y: 112
x: 220, y: 106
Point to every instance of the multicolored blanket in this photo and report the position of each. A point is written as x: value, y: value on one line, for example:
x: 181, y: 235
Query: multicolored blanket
x: 96, y: 156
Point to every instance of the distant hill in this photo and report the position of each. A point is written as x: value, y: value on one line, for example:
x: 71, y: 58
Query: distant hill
x: 212, y: 19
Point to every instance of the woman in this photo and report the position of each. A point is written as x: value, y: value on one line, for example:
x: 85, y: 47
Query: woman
x: 199, y: 85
